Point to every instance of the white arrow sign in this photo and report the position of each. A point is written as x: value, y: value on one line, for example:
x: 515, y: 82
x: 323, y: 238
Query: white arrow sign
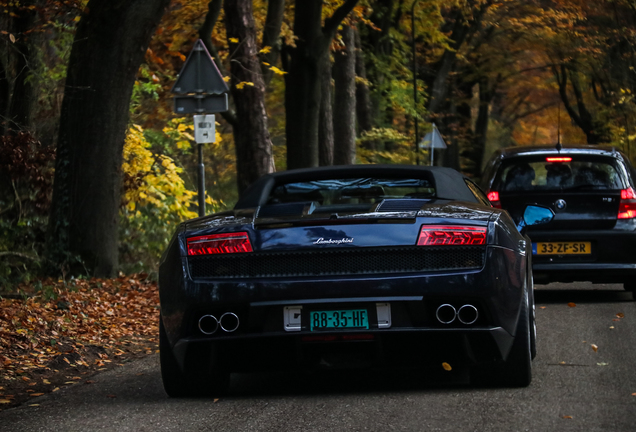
x: 204, y: 129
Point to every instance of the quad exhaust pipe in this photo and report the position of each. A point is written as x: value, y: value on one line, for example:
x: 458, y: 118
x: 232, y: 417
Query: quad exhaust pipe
x: 209, y: 324
x: 229, y: 322
x: 467, y: 314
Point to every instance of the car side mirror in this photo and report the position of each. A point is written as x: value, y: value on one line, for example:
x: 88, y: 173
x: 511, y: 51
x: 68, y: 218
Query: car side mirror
x: 537, y: 215
x: 534, y: 215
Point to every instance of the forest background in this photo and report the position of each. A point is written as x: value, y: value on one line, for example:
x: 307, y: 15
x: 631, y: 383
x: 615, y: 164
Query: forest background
x: 96, y: 171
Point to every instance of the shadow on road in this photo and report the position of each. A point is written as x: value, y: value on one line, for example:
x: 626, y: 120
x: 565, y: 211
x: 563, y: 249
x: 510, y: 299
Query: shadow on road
x: 565, y: 293
x: 342, y: 382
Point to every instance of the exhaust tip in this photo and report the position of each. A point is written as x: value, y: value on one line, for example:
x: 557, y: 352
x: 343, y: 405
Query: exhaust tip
x: 208, y: 324
x: 467, y: 314
x: 229, y: 322
x: 446, y: 313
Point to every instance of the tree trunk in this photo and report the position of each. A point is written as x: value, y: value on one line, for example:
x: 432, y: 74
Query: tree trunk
x: 461, y: 30
x: 205, y: 33
x: 595, y: 131
x: 110, y: 42
x: 271, y: 37
x: 251, y: 136
x: 325, y: 130
x: 363, y: 97
x: 4, y: 96
x: 302, y: 83
x: 344, y: 126
x: 23, y: 94
x: 486, y: 94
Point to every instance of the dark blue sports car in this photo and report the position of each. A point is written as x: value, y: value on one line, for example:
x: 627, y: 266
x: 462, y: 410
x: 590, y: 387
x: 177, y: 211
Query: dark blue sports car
x: 349, y: 266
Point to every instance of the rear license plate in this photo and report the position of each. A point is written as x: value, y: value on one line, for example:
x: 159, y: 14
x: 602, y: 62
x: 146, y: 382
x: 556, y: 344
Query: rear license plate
x: 562, y: 248
x: 349, y: 319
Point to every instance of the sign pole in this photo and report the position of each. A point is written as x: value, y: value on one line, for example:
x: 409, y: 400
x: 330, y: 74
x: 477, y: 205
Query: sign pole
x: 201, y: 188
x: 433, y: 144
x: 200, y: 88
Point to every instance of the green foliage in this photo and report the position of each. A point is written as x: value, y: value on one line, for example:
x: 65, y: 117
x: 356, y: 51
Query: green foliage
x: 147, y: 88
x: 399, y: 147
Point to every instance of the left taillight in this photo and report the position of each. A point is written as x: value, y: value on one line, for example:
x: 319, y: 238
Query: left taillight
x: 438, y: 235
x: 219, y: 244
x: 493, y: 197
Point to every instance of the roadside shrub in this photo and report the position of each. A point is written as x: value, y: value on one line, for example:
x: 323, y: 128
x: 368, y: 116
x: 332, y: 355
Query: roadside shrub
x: 155, y: 200
x: 26, y: 179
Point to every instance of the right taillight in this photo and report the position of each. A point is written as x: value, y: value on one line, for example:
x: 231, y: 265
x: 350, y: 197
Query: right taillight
x: 451, y: 235
x: 493, y: 197
x: 627, y: 206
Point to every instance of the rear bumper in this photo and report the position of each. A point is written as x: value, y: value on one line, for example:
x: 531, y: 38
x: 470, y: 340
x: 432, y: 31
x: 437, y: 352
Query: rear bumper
x: 410, y: 348
x: 613, y: 257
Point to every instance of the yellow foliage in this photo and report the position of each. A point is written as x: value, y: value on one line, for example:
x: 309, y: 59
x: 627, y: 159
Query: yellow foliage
x: 160, y: 185
x: 243, y: 84
x: 277, y: 71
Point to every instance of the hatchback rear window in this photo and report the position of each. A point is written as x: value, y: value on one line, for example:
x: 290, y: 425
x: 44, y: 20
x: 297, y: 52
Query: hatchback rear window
x: 562, y: 173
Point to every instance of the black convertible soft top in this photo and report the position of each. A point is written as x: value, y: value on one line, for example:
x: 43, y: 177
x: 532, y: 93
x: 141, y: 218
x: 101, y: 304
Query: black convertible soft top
x: 449, y: 184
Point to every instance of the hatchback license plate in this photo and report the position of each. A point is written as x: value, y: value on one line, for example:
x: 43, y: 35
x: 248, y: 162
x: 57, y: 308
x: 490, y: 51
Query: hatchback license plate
x: 349, y: 319
x: 562, y: 248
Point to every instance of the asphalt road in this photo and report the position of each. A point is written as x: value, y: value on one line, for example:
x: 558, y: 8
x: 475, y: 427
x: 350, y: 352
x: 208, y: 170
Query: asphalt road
x: 575, y: 388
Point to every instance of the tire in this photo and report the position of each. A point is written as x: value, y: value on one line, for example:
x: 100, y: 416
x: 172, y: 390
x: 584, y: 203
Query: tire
x: 174, y: 381
x: 517, y: 369
x: 203, y: 375
x: 630, y: 286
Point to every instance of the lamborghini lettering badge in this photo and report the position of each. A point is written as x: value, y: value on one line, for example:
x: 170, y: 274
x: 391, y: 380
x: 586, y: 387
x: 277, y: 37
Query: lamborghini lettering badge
x: 343, y: 240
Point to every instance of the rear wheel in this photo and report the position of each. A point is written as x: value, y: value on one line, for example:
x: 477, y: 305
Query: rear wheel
x: 630, y: 286
x: 517, y: 369
x: 203, y: 375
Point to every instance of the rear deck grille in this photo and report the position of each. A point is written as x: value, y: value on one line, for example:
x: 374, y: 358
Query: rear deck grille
x: 350, y: 261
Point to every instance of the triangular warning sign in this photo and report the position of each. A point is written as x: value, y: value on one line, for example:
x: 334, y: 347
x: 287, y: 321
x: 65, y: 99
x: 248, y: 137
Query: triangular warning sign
x: 200, y: 74
x: 433, y: 139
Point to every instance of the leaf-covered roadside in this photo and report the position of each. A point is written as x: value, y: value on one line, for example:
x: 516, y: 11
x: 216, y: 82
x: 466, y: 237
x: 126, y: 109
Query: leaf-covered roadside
x: 60, y: 332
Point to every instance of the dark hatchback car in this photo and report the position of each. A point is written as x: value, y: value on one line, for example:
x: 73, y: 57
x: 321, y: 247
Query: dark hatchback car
x: 350, y: 266
x: 592, y: 193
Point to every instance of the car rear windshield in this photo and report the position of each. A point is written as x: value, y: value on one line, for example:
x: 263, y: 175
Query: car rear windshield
x: 351, y: 191
x: 558, y: 173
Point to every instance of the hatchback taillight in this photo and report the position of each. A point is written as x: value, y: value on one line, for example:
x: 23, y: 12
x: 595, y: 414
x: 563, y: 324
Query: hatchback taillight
x: 493, y: 197
x: 438, y: 235
x: 627, y: 206
x: 219, y: 244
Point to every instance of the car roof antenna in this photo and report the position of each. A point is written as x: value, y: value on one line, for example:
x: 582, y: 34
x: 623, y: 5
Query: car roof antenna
x: 558, y: 144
